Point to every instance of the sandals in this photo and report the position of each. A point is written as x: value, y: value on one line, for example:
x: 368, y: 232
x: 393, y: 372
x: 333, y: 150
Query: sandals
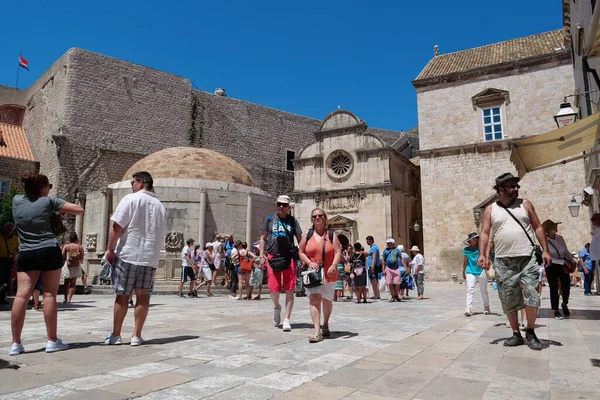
x: 257, y: 298
x: 315, y: 338
x: 325, y: 331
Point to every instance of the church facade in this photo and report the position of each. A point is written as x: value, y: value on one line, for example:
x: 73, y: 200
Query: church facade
x: 366, y: 186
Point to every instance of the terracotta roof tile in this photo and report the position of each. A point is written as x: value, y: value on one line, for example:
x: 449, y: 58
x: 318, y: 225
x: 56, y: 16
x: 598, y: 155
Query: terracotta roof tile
x: 493, y: 54
x: 17, y: 144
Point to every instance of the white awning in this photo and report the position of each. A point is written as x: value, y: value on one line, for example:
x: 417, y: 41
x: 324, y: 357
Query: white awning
x: 556, y: 147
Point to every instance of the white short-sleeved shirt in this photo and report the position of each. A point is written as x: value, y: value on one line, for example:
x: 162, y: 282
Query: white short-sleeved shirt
x: 418, y: 260
x: 185, y: 252
x: 217, y: 251
x: 144, y: 221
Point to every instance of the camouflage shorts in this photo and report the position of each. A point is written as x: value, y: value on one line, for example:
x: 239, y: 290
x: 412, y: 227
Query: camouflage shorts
x: 511, y: 272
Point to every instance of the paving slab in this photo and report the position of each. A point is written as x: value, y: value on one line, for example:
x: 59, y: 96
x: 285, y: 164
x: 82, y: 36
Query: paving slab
x: 409, y: 350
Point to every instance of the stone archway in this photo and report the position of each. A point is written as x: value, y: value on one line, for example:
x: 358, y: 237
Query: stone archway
x: 344, y: 227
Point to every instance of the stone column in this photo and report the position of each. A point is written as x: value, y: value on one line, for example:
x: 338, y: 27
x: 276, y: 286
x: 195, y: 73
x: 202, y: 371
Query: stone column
x: 202, y: 218
x: 79, y: 218
x: 104, y: 226
x: 249, y: 221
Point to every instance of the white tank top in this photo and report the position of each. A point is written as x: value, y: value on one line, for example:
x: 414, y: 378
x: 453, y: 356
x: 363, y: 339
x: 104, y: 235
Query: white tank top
x: 508, y: 237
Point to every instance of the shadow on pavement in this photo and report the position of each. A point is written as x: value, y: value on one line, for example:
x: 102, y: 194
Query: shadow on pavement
x: 545, y: 342
x: 8, y: 365
x: 341, y: 335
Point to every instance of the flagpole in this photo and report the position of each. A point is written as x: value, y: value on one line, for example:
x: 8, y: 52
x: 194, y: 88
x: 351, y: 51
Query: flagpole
x: 18, y: 69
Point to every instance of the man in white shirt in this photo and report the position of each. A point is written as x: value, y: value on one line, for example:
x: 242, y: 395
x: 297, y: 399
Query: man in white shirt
x: 417, y: 266
x: 595, y: 248
x: 187, y: 270
x: 139, y: 226
x: 218, y: 251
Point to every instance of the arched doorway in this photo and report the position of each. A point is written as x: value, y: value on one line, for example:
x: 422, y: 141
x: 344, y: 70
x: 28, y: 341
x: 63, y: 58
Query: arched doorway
x: 344, y: 241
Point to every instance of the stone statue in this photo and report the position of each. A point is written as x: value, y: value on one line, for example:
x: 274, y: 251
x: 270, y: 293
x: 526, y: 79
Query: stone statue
x: 173, y: 241
x: 91, y: 241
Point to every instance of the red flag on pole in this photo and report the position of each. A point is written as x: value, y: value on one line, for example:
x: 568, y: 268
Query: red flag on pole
x: 23, y: 63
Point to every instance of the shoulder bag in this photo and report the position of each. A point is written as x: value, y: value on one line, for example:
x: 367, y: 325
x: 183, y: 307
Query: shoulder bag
x: 246, y: 263
x: 537, y: 250
x: 56, y: 224
x: 568, y: 266
x: 312, y: 278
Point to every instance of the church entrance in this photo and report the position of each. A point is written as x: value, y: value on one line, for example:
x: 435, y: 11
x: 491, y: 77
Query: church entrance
x: 344, y: 241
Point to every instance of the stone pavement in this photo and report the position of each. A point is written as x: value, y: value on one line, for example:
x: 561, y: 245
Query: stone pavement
x: 218, y: 348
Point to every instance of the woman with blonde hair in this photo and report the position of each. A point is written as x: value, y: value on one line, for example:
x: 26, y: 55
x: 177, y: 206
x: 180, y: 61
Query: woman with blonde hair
x: 320, y: 249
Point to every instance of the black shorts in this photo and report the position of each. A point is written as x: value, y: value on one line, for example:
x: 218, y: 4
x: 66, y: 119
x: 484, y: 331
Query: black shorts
x: 212, y: 267
x: 187, y: 272
x: 46, y: 259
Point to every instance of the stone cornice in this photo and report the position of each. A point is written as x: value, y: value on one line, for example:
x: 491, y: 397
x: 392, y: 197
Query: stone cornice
x: 484, y: 147
x: 342, y: 192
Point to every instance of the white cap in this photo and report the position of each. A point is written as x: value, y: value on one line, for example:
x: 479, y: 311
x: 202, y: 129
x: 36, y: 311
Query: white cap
x: 283, y: 199
x: 208, y: 244
x: 390, y: 240
x: 401, y: 247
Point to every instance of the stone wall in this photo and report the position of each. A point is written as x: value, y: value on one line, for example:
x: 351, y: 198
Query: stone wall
x: 12, y: 114
x: 447, y: 117
x: 456, y: 180
x: 11, y: 170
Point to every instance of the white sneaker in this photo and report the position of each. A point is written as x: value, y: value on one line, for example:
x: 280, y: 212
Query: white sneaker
x: 468, y: 312
x: 286, y: 325
x: 113, y: 339
x: 486, y: 311
x: 277, y: 316
x: 16, y: 349
x: 136, y: 341
x: 52, y: 347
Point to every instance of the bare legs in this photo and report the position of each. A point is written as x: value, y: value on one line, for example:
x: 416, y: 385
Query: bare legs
x: 142, y: 305
x: 26, y: 281
x: 315, y: 311
x: 513, y: 318
x: 119, y: 313
x: 289, y: 302
x: 72, y: 286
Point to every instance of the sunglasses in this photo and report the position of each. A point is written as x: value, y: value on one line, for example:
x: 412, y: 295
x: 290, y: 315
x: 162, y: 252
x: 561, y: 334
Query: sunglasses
x: 317, y: 216
x: 49, y: 186
x: 513, y: 186
x: 282, y: 204
x: 133, y: 181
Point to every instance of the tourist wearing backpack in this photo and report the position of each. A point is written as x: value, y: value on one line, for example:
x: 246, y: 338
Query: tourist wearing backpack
x: 278, y: 254
x: 395, y: 270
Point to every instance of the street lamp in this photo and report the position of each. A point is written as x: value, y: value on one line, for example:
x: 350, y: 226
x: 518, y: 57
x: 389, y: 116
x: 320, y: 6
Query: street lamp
x: 416, y: 226
x: 574, y: 207
x: 566, y: 115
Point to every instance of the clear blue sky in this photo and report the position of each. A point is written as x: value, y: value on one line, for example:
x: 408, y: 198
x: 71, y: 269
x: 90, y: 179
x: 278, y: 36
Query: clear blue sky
x: 305, y: 57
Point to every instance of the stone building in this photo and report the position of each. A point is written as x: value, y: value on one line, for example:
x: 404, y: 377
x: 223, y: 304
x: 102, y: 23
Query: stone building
x: 205, y: 193
x: 472, y: 105
x: 365, y: 184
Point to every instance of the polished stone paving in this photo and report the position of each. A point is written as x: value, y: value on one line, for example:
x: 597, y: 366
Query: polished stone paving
x: 218, y: 348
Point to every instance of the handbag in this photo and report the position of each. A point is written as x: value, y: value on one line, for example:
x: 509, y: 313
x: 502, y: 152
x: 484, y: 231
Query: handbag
x: 490, y: 273
x: 568, y: 266
x: 537, y: 250
x: 56, y: 224
x: 347, y: 269
x: 312, y: 278
x: 246, y: 264
x: 279, y: 264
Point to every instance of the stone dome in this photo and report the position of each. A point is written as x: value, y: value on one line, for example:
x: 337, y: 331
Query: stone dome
x: 192, y: 163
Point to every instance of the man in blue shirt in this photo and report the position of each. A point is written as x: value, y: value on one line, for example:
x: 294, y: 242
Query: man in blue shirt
x: 586, y: 266
x: 374, y: 267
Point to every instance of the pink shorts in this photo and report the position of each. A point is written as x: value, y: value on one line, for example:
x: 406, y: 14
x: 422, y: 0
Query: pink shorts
x: 392, y: 276
x: 288, y: 277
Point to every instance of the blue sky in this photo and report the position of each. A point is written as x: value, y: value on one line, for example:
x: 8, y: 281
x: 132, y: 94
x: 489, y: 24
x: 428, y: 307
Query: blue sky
x: 303, y: 57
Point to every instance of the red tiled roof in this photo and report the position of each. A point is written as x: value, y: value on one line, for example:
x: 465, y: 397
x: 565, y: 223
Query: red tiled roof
x: 17, y: 144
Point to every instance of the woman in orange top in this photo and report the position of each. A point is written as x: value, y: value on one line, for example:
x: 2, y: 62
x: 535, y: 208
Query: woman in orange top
x: 311, y: 253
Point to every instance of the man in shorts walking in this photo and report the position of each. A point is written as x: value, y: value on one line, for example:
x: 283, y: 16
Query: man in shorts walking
x: 512, y: 222
x: 279, y: 257
x: 187, y: 270
x: 139, y: 226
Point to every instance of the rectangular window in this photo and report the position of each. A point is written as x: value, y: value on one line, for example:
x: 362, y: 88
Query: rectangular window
x: 492, y: 124
x: 289, y: 160
x: 4, y: 186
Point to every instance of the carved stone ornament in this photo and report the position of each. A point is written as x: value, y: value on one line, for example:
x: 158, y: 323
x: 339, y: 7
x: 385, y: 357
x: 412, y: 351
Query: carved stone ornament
x: 339, y: 165
x: 173, y: 241
x: 348, y: 203
x: 91, y: 241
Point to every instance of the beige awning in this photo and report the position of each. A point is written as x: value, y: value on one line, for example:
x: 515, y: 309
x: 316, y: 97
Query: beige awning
x: 556, y: 147
x: 592, y: 39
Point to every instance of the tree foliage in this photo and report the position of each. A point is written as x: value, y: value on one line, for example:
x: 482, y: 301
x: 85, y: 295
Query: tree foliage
x: 6, y: 206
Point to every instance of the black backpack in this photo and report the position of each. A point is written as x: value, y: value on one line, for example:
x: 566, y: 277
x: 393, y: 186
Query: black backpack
x: 311, y: 231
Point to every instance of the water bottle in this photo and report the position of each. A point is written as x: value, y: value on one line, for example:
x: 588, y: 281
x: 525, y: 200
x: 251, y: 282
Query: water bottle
x: 495, y: 285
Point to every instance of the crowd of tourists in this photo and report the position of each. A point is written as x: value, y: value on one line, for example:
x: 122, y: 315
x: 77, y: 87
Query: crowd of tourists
x: 315, y: 263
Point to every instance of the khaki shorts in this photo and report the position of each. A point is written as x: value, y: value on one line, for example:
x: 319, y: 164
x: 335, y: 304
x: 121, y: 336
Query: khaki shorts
x: 511, y: 272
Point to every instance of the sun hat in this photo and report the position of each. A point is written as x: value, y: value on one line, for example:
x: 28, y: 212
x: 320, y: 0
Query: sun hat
x: 401, y: 247
x: 415, y: 248
x: 208, y: 244
x: 504, y: 178
x: 283, y: 199
x: 390, y: 240
x: 549, y: 225
x: 472, y: 235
